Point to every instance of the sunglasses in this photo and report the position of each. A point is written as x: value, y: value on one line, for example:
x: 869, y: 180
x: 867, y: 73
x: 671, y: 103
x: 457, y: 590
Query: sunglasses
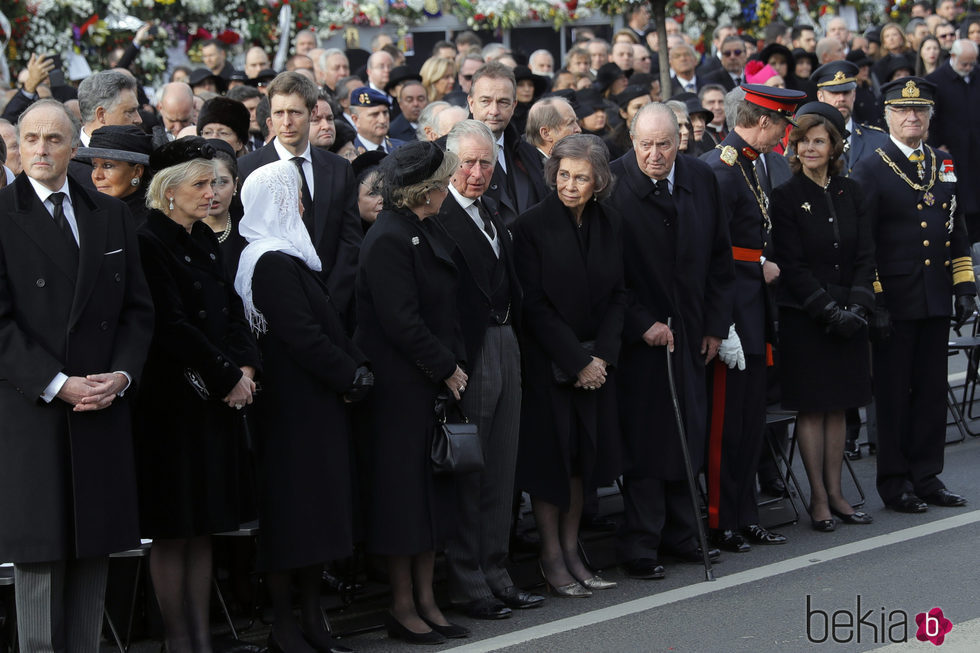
x: 468, y: 78
x: 732, y: 53
x: 951, y: 35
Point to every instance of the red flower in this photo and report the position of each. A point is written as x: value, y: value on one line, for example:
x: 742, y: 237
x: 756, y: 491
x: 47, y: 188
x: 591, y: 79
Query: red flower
x: 572, y: 5
x: 229, y: 37
x: 478, y: 17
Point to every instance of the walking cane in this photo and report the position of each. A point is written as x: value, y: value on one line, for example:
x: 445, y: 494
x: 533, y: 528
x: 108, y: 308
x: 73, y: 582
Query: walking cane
x: 695, y: 503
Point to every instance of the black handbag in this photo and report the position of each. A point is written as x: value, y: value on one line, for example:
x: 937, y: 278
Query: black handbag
x: 456, y: 447
x: 559, y: 374
x: 197, y: 383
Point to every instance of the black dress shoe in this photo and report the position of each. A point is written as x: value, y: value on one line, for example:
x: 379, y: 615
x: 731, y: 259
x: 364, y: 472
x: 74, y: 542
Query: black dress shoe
x: 693, y: 555
x: 517, y: 599
x: 856, y: 517
x: 773, y: 488
x: 760, y: 535
x: 397, y: 631
x: 644, y: 569
x: 450, y: 631
x: 908, y: 503
x: 945, y: 498
x: 824, y: 525
x: 486, y: 609
x: 729, y: 541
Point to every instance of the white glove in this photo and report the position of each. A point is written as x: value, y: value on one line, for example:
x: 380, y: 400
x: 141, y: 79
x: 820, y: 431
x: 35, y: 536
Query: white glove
x: 730, y: 352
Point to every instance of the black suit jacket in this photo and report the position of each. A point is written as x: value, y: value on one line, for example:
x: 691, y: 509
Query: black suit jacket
x: 69, y: 487
x: 473, y: 298
x: 402, y: 130
x: 522, y: 187
x: 337, y: 235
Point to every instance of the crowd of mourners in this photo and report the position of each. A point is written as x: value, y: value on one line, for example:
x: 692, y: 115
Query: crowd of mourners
x: 260, y: 293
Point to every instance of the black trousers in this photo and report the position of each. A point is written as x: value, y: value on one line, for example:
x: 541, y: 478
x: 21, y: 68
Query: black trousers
x: 659, y: 517
x: 736, y: 428
x: 910, y: 395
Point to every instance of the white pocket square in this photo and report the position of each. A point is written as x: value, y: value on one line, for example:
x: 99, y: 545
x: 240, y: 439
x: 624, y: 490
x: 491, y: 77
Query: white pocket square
x: 115, y: 251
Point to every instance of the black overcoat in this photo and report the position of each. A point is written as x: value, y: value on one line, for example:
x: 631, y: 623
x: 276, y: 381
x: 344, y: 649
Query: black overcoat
x: 69, y: 485
x: 956, y: 126
x: 407, y: 326
x: 683, y: 272
x: 188, y: 448
x: 570, y: 297
x: 302, y: 428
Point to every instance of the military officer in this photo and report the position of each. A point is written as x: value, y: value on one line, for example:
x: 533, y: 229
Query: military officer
x: 836, y: 85
x: 923, y: 260
x: 738, y: 406
x: 371, y: 112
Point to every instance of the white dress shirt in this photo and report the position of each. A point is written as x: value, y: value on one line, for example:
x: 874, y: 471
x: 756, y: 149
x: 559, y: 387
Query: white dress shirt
x: 286, y: 155
x: 469, y: 205
x: 906, y: 150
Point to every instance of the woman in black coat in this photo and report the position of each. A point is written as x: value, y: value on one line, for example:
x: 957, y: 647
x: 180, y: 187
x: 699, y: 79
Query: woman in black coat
x: 198, y: 377
x: 310, y: 368
x: 407, y: 325
x: 823, y: 244
x: 120, y: 158
x: 569, y: 257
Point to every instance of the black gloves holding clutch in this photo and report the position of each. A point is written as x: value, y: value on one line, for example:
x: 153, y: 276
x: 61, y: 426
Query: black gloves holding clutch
x: 363, y: 382
x: 843, y: 322
x: 965, y: 305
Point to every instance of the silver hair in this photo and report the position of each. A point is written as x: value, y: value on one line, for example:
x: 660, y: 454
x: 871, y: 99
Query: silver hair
x: 734, y: 104
x: 470, y: 129
x: 584, y: 147
x: 660, y: 110
x: 102, y: 90
x: 428, y: 118
x: 677, y: 107
x: 959, y: 44
x: 538, y: 53
x: 543, y: 113
x: 49, y: 102
x: 494, y: 50
x: 330, y: 52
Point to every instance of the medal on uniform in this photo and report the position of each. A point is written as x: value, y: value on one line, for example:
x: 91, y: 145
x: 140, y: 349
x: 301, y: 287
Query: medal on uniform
x: 929, y: 198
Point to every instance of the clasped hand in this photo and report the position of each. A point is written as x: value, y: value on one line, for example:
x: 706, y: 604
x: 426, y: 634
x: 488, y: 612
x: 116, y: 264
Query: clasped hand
x: 593, y: 375
x: 457, y: 382
x: 243, y: 392
x: 92, y: 392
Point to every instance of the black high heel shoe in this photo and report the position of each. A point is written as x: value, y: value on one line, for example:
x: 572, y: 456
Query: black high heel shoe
x: 824, y: 525
x: 452, y: 631
x: 856, y: 517
x: 398, y: 631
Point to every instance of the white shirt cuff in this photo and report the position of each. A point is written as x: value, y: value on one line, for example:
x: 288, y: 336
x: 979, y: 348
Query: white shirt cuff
x: 129, y: 382
x: 54, y: 387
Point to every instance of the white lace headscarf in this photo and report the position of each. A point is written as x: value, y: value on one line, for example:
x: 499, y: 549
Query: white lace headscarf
x: 271, y: 223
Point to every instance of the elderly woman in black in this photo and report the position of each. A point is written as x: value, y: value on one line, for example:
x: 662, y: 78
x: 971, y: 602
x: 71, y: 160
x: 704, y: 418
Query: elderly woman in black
x: 120, y: 158
x: 568, y: 252
x: 407, y: 326
x: 310, y: 369
x: 823, y: 244
x: 198, y: 377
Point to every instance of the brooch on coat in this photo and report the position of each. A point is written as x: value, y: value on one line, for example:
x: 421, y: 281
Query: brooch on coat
x: 415, y: 240
x: 805, y: 206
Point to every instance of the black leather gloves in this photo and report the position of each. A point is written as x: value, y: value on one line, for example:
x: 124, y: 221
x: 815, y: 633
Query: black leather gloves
x: 842, y: 322
x: 363, y: 382
x: 965, y: 305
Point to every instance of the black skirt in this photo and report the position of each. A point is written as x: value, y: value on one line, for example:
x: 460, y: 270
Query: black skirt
x: 821, y: 372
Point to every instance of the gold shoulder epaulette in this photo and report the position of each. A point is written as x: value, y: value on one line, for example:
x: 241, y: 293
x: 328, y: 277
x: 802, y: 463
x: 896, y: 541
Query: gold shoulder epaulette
x: 877, y: 129
x: 729, y: 155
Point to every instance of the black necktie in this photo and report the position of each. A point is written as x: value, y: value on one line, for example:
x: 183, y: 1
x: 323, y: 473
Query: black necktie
x: 58, y: 200
x: 485, y: 216
x: 307, y: 197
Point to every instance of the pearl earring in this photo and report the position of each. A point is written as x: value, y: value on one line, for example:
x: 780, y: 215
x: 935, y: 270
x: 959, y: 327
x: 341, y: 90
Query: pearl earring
x: 135, y: 181
x: 171, y: 204
x: 427, y: 200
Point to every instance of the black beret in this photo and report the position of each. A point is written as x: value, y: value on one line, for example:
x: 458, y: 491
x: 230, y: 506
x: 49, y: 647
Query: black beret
x: 401, y: 74
x: 201, y: 75
x: 180, y: 151
x: 411, y: 163
x: 827, y: 111
x: 367, y: 161
x: 220, y: 145
x: 224, y: 111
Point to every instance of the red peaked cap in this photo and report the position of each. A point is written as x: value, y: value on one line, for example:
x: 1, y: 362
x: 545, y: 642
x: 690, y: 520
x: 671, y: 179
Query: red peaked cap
x: 781, y: 100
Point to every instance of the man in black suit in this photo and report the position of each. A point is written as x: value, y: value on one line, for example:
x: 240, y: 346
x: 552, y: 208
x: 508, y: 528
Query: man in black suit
x: 678, y: 264
x: 489, y: 302
x: 329, y: 191
x: 412, y: 99
x: 922, y: 252
x: 733, y: 55
x: 515, y: 186
x: 75, y: 323
x: 956, y: 125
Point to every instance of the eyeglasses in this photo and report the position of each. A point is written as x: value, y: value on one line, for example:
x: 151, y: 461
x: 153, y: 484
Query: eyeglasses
x: 467, y: 78
x: 732, y: 53
x: 950, y: 35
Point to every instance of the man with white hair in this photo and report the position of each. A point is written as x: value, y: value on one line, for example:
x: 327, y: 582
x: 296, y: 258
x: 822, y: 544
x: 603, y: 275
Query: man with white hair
x: 837, y: 28
x: 622, y: 55
x: 176, y: 109
x: 955, y: 128
x: 335, y: 66
x: 541, y: 62
x: 598, y: 54
x: 379, y: 67
x: 489, y: 297
x: 305, y: 41
x: 550, y: 120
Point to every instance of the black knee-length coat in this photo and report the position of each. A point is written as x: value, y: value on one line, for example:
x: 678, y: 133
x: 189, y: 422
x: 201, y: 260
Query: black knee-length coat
x: 572, y: 294
x: 407, y: 325
x: 302, y: 428
x: 188, y: 449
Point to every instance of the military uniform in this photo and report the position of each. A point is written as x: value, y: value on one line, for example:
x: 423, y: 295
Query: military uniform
x: 923, y: 259
x: 738, y: 397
